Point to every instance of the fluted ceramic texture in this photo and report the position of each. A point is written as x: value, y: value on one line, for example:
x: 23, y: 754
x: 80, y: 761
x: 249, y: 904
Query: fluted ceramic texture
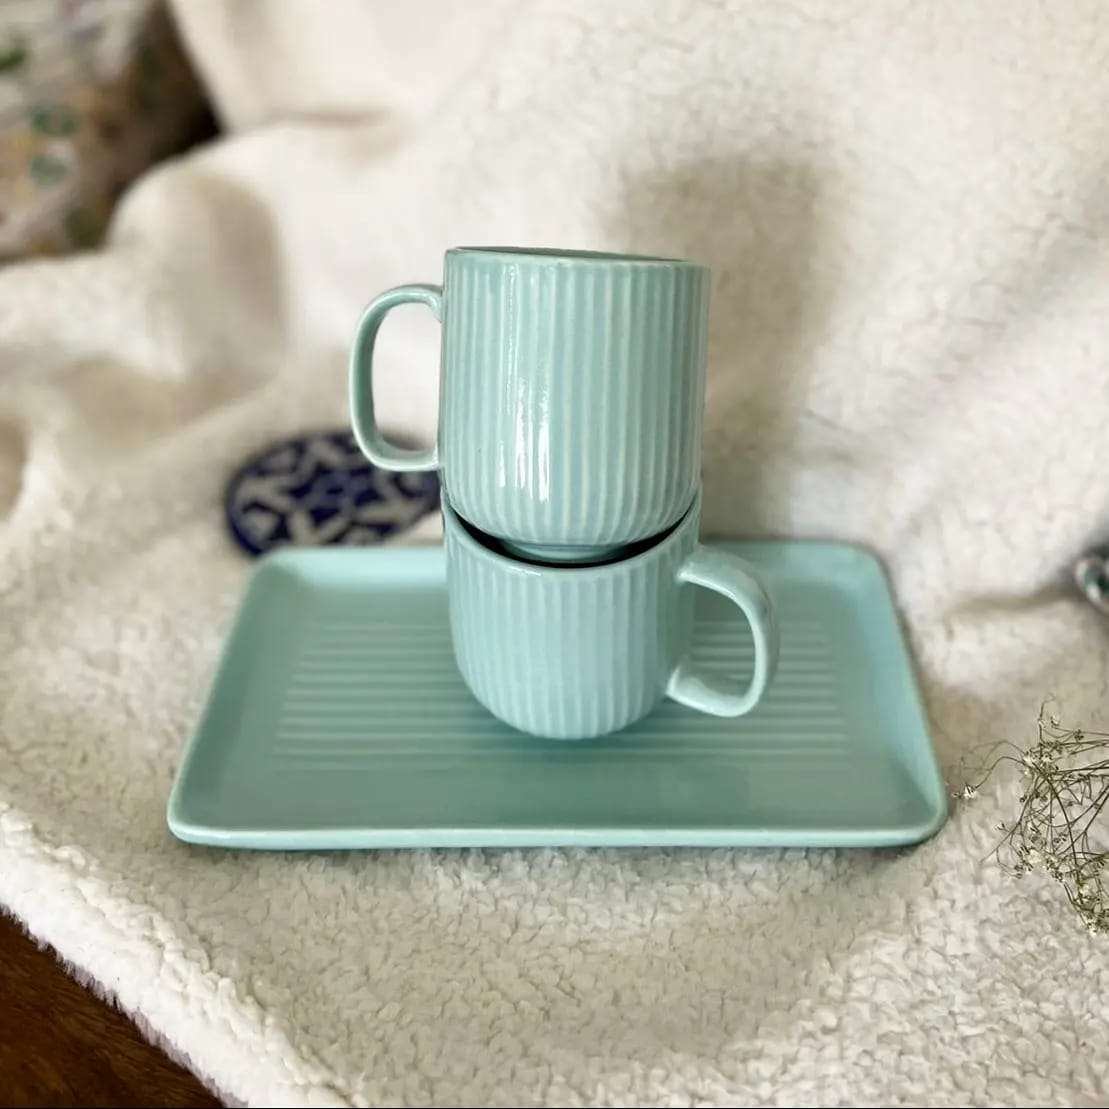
x: 572, y: 395
x: 568, y: 653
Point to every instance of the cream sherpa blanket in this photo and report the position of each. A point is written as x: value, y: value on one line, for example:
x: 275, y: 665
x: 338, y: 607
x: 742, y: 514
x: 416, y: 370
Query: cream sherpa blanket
x: 906, y: 208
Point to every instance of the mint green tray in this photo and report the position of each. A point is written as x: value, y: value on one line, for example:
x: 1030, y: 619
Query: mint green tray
x: 337, y: 719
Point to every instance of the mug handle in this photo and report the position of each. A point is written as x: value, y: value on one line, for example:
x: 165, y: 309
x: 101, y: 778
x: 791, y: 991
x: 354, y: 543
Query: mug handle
x: 374, y: 445
x: 730, y: 576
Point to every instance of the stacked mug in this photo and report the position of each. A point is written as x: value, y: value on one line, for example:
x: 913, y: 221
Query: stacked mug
x: 572, y: 389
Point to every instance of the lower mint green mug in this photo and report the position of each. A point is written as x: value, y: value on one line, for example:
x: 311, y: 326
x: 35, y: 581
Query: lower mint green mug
x: 572, y: 652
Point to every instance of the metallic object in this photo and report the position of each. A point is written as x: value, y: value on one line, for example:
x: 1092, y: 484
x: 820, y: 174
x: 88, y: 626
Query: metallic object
x: 1091, y: 575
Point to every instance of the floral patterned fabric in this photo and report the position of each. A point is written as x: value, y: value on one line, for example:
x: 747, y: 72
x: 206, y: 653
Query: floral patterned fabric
x: 92, y: 92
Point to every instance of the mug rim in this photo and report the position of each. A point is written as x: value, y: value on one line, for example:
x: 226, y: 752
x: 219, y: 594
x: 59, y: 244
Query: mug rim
x: 463, y: 532
x: 569, y: 255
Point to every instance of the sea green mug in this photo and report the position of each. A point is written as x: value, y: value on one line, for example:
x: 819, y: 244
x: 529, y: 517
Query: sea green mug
x: 571, y: 652
x: 571, y: 394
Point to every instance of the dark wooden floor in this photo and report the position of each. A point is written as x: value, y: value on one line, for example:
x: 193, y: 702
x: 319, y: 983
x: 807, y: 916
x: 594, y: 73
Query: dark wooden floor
x: 61, y: 1045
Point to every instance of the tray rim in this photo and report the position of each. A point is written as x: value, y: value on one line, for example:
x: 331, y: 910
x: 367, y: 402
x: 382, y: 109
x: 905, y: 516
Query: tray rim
x: 413, y: 561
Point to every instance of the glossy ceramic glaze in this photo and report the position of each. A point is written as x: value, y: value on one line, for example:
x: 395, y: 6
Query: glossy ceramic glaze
x: 568, y: 652
x: 571, y: 394
x: 337, y: 719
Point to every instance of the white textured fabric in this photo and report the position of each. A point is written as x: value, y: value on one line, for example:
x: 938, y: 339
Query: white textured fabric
x: 906, y: 210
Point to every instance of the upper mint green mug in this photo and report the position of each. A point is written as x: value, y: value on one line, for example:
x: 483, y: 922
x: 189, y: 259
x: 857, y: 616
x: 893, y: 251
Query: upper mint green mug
x: 571, y: 396
x: 574, y: 652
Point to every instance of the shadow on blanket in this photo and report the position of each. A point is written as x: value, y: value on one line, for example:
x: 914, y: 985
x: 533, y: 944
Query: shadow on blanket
x: 13, y: 454
x: 657, y: 951
x: 769, y: 248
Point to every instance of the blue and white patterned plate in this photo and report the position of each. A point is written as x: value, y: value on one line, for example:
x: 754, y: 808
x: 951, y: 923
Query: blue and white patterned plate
x: 319, y: 489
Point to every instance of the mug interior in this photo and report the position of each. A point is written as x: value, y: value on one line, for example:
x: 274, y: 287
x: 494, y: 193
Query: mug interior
x: 516, y: 555
x: 571, y: 255
x: 547, y: 554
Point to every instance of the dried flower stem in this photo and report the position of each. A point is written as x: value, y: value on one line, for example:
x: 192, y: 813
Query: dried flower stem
x: 1061, y: 827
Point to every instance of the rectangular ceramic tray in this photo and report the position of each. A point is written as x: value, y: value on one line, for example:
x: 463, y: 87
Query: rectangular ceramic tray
x: 337, y: 720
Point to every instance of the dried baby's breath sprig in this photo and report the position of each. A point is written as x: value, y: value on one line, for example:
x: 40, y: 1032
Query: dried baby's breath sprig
x: 1062, y: 827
